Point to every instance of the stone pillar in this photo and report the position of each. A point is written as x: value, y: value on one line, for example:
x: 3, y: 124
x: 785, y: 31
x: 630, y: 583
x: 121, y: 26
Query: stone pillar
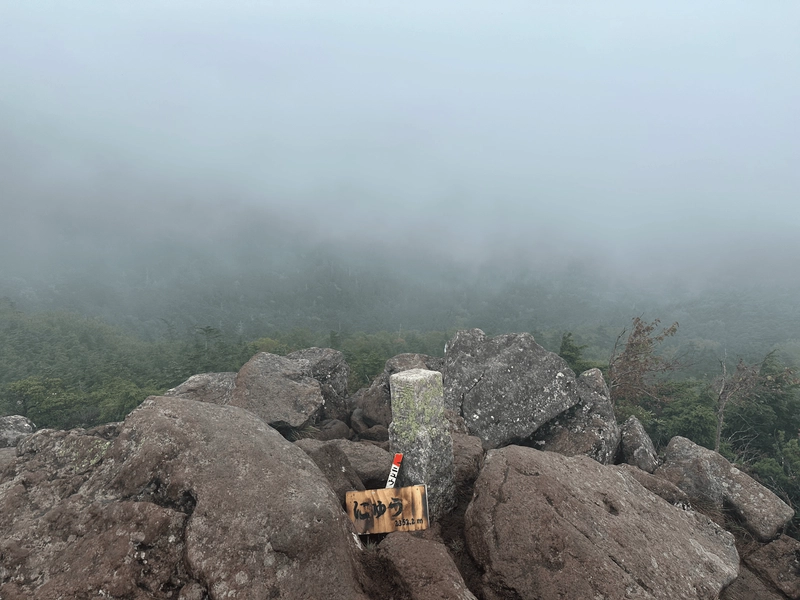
x: 420, y: 431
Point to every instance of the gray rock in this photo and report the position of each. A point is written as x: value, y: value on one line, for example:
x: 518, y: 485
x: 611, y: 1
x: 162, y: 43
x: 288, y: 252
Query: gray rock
x: 505, y: 387
x: 280, y: 391
x: 589, y: 428
x: 14, y: 429
x: 330, y: 369
x: 216, y: 388
x: 375, y: 401
x: 371, y: 463
x: 337, y: 469
x: 636, y: 447
x: 748, y: 586
x: 7, y: 456
x: 358, y: 421
x: 660, y: 487
x: 189, y: 500
x: 544, y: 525
x: 712, y: 483
x: 422, y: 569
x: 376, y: 433
x: 779, y: 564
x: 333, y: 429
x: 467, y: 460
x: 419, y: 430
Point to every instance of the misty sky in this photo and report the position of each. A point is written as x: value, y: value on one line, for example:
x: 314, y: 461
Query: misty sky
x: 544, y: 131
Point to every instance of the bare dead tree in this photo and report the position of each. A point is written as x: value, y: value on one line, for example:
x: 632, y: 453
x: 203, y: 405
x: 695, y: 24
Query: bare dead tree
x: 634, y: 362
x: 730, y: 388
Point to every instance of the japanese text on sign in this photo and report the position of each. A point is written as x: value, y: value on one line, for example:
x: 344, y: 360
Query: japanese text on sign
x: 389, y: 509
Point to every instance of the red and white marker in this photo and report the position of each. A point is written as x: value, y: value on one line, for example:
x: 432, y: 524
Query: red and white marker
x: 398, y: 459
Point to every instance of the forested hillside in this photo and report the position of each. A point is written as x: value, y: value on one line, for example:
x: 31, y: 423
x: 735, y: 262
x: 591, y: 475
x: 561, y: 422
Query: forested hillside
x: 63, y: 369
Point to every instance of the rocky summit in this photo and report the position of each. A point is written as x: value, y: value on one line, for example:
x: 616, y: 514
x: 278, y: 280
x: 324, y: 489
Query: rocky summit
x: 233, y: 485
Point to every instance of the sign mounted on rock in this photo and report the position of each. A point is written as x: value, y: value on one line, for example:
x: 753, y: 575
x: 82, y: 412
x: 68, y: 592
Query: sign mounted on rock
x: 389, y: 509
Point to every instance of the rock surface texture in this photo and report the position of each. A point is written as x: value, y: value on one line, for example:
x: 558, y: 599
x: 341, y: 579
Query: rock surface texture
x: 422, y: 568
x: 712, y: 483
x: 542, y: 525
x: 370, y: 463
x: 330, y: 369
x: 636, y: 448
x: 280, y: 391
x: 14, y: 429
x: 216, y: 388
x: 749, y: 587
x: 185, y: 499
x: 505, y: 387
x: 589, y: 428
x: 779, y: 564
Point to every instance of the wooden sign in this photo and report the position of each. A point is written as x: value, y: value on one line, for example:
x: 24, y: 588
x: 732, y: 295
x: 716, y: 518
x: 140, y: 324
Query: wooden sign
x: 388, y: 509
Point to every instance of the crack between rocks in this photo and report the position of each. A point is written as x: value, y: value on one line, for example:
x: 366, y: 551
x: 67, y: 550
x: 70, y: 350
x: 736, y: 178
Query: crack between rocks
x: 500, y: 501
x: 469, y: 390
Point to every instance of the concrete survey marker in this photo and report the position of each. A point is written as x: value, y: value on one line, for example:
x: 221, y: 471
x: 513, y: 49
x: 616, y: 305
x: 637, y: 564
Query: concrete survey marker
x: 388, y: 509
x: 420, y: 432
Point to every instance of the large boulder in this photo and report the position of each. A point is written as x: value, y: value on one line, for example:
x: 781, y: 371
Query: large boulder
x: 7, y: 456
x: 14, y: 429
x: 589, y: 428
x: 280, y: 391
x: 330, y: 369
x: 184, y: 499
x: 337, y: 469
x: 779, y: 564
x: 660, y: 487
x: 333, y: 429
x: 216, y: 388
x: 748, y: 586
x: 422, y: 569
x: 505, y: 387
x: 544, y: 525
x: 714, y: 484
x: 267, y: 374
x: 636, y: 448
x: 370, y: 462
x: 467, y: 461
x: 375, y: 401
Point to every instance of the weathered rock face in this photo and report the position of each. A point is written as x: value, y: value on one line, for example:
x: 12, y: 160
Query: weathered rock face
x: 370, y: 462
x: 543, y: 525
x: 267, y: 378
x: 589, y: 428
x: 505, y: 387
x: 337, y: 469
x: 636, y: 447
x: 183, y: 498
x: 423, y: 569
x: 420, y: 432
x: 280, y: 391
x: 467, y: 460
x: 375, y: 402
x: 216, y: 388
x: 779, y: 563
x: 333, y: 429
x: 329, y: 367
x: 749, y: 587
x: 14, y: 429
x: 660, y: 487
x: 712, y: 482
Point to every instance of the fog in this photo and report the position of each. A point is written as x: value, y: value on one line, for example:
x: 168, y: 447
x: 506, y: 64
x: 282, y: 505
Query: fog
x: 645, y: 144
